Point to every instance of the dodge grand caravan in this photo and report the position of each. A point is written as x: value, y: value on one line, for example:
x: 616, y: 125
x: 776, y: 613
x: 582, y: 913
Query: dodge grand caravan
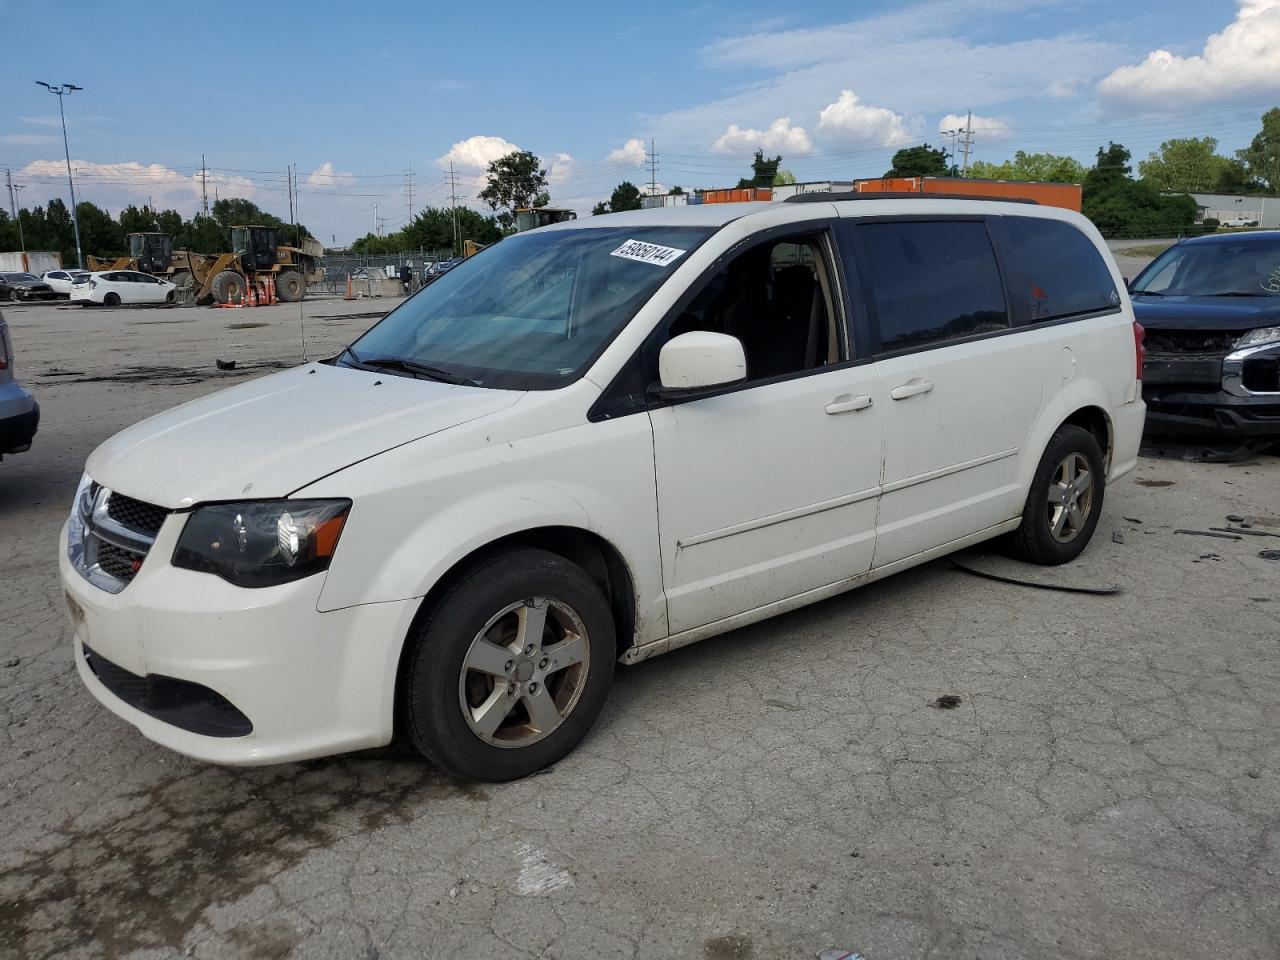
x: 598, y: 441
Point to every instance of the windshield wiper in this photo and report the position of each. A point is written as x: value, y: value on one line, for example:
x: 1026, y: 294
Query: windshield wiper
x: 1145, y: 293
x: 1237, y: 293
x: 412, y: 367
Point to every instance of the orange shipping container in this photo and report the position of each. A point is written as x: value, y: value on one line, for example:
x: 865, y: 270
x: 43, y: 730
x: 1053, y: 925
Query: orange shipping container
x: 737, y: 195
x: 1065, y: 195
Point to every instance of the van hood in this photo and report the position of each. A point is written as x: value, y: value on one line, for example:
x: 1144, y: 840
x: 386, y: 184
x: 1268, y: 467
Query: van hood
x: 1223, y: 314
x: 269, y: 437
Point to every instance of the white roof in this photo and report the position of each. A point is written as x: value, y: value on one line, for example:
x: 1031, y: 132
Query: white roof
x: 867, y: 205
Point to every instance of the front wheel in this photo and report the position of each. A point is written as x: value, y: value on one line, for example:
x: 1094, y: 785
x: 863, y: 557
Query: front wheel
x: 14, y: 295
x: 1065, y: 500
x: 509, y: 667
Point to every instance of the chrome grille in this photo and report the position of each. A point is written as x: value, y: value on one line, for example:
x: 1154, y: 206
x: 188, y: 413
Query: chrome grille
x: 144, y: 517
x: 110, y: 536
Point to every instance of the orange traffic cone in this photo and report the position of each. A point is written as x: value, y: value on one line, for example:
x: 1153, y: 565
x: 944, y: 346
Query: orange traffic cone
x: 253, y: 293
x: 350, y: 293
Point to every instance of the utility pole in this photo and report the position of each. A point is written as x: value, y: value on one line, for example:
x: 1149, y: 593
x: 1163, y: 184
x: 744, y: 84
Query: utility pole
x: 453, y: 205
x: 288, y: 178
x: 375, y: 218
x: 13, y: 205
x: 61, y: 91
x: 967, y: 142
x: 408, y: 189
x: 204, y: 185
x: 952, y: 134
x: 653, y: 169
x: 297, y: 207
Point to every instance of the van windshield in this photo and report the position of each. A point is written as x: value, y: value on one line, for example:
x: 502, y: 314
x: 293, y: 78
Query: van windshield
x: 531, y: 312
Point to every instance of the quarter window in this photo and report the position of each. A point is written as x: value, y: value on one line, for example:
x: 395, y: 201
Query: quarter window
x: 933, y: 282
x: 1062, y: 273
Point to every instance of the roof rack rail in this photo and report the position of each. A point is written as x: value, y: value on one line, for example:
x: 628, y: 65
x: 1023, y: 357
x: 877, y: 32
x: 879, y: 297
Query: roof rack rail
x: 823, y: 197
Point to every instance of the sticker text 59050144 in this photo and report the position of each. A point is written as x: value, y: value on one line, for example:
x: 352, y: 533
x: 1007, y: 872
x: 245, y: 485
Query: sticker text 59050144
x: 648, y: 253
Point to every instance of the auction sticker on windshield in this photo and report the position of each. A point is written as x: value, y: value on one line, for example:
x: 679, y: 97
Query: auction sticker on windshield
x: 647, y: 253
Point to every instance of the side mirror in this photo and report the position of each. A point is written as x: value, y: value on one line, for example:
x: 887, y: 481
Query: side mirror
x: 698, y: 361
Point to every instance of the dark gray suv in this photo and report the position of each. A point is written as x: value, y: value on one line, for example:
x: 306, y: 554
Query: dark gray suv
x: 19, y: 412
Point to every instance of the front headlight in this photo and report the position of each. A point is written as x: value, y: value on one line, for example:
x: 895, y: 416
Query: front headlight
x: 262, y: 544
x: 1256, y: 338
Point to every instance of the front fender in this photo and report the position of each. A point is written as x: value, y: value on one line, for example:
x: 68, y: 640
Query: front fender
x: 418, y: 511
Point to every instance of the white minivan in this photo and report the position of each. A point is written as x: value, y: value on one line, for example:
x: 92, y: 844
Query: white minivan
x: 598, y: 441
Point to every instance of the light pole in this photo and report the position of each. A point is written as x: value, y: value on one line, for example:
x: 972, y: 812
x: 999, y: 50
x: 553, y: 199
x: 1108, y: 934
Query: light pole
x: 60, y: 92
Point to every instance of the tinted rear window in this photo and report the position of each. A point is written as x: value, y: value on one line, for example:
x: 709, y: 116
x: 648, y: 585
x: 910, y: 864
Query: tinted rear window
x: 933, y: 282
x: 1062, y: 272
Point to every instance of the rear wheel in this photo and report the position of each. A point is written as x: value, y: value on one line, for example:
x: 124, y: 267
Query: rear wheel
x: 1065, y: 500
x: 509, y: 667
x: 111, y: 300
x: 181, y: 280
x: 290, y: 286
x: 228, y: 287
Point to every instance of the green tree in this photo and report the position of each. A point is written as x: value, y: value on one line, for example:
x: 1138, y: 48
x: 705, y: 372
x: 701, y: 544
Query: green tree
x: 1025, y: 166
x: 625, y: 196
x: 1261, y: 158
x: 1189, y: 165
x: 169, y: 221
x: 763, y: 171
x: 99, y: 232
x: 599, y: 209
x: 1120, y: 206
x: 921, y: 161
x: 676, y: 191
x: 514, y: 181
x: 133, y: 220
x: 783, y: 177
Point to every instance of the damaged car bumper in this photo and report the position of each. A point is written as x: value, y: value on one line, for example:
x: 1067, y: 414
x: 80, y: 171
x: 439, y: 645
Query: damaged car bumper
x: 1220, y: 393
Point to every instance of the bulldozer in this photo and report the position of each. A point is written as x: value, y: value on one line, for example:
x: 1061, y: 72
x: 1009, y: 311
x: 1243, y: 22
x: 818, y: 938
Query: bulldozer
x: 256, y: 259
x: 153, y: 253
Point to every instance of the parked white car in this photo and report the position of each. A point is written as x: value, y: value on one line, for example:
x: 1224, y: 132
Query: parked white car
x: 61, y: 280
x: 112, y: 288
x: 599, y: 441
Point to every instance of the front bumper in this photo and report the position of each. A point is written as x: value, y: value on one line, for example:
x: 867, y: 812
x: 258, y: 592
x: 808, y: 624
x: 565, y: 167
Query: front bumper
x: 176, y: 648
x: 19, y: 419
x: 1235, y: 395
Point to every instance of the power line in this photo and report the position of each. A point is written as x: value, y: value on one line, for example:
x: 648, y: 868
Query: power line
x: 652, y: 158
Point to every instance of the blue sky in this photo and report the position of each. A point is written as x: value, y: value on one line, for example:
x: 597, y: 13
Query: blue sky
x: 354, y: 96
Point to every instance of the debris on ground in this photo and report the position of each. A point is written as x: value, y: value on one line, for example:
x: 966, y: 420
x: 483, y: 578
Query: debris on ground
x: 835, y: 953
x: 1063, y: 587
x: 1243, y: 531
x: 1154, y: 483
x: 1269, y: 554
x: 1234, y: 518
x: 1210, y: 533
x: 783, y: 704
x: 11, y: 662
x: 1117, y: 536
x: 225, y: 364
x: 948, y: 701
x: 1133, y: 520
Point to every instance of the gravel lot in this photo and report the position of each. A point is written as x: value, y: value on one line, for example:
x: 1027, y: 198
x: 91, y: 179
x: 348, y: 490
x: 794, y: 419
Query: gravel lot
x: 1108, y: 786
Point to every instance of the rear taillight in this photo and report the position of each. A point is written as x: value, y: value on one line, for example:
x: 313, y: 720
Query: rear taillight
x: 92, y: 284
x: 1139, y: 347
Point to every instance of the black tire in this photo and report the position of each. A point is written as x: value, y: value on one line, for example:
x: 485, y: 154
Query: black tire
x: 180, y: 279
x: 168, y: 297
x: 435, y: 682
x: 1035, y: 539
x: 290, y: 287
x: 111, y: 300
x: 14, y: 295
x: 228, y: 287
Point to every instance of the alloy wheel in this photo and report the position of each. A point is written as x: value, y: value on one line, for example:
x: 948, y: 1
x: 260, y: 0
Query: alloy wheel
x: 1070, y: 497
x: 524, y: 672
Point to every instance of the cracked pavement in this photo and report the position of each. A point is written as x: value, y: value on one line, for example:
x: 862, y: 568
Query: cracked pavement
x: 1108, y: 786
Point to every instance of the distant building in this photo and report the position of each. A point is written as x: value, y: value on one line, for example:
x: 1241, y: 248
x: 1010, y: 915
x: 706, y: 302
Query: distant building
x: 1265, y: 211
x: 785, y: 190
x: 664, y: 200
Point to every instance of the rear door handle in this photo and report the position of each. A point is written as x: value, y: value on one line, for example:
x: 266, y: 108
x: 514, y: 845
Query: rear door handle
x: 847, y: 402
x: 911, y: 388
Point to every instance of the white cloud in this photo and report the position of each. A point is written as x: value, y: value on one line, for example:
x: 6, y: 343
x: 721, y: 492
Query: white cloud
x: 559, y: 168
x: 984, y: 128
x: 631, y: 152
x: 325, y: 176
x: 1242, y: 60
x: 850, y: 119
x: 780, y: 137
x: 117, y: 184
x: 43, y: 121
x: 476, y: 153
x: 27, y: 139
x: 915, y: 61
x: 1063, y: 88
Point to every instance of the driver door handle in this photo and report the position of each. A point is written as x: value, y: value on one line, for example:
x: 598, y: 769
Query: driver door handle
x: 847, y: 402
x: 913, y: 387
